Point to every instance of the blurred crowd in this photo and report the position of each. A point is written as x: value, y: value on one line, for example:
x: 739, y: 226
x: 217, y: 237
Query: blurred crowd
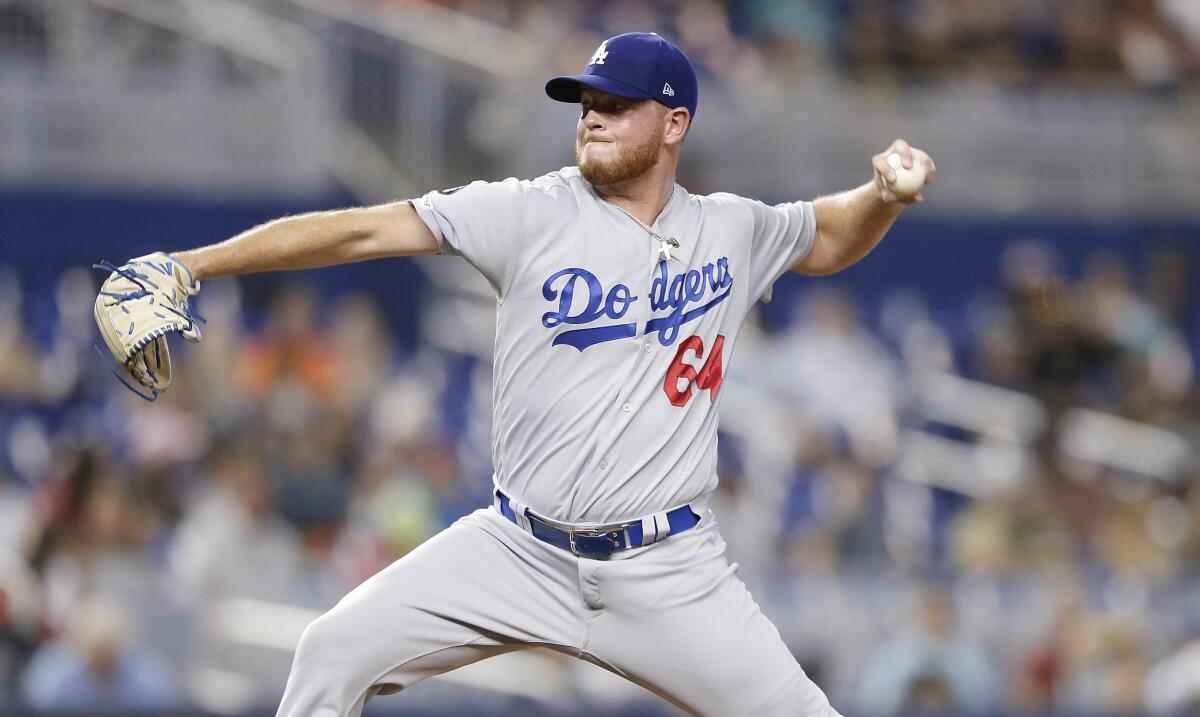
x: 303, y: 447
x: 1152, y: 44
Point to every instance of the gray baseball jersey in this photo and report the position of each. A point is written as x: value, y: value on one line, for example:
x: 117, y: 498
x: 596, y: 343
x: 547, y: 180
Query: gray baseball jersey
x: 609, y: 352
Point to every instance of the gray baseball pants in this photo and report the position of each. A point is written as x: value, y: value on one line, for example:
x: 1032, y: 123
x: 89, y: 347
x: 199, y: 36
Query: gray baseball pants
x: 672, y: 617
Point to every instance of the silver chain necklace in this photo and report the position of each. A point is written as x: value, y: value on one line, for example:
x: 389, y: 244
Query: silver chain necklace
x: 665, y: 244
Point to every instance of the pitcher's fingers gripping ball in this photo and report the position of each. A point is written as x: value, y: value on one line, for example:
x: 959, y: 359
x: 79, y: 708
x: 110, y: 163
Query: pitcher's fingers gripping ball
x: 140, y: 303
x: 901, y: 172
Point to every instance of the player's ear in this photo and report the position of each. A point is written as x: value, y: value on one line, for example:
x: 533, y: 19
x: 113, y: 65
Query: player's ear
x: 676, y: 123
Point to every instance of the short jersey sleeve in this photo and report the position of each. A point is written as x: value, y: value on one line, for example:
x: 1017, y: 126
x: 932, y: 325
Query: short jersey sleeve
x: 481, y: 222
x: 783, y: 235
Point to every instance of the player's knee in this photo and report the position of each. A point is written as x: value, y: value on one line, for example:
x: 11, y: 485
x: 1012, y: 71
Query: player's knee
x: 325, y: 674
x: 322, y: 645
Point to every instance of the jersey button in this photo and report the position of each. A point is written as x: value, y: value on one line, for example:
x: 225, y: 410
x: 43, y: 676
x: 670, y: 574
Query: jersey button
x: 603, y: 463
x: 649, y: 348
x: 627, y: 408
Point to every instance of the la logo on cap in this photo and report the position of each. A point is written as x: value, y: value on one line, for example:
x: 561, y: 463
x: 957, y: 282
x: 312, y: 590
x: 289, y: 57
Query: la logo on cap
x: 601, y: 53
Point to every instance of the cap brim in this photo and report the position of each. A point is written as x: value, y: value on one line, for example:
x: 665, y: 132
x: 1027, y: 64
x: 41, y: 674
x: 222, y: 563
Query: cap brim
x: 567, y: 87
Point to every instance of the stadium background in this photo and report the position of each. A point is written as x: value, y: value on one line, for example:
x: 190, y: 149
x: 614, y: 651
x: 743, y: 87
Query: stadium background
x: 961, y: 476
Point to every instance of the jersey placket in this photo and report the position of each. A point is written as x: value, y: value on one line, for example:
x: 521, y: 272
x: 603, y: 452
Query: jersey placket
x: 623, y: 406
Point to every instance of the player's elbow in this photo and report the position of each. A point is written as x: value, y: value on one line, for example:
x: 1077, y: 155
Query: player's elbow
x: 821, y: 261
x: 812, y: 269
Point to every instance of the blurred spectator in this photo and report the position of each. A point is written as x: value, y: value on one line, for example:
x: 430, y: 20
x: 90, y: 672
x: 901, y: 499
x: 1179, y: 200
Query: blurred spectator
x: 98, y: 666
x: 1153, y: 53
x: 19, y: 603
x: 831, y: 514
x: 23, y: 29
x: 17, y: 516
x: 929, y: 666
x: 1105, y: 669
x: 1172, y: 685
x: 18, y: 364
x: 311, y: 465
x: 95, y: 534
x: 1042, y: 320
x: 209, y: 373
x: 1088, y: 663
x: 1021, y: 531
x: 231, y: 541
x: 1039, y: 675
x: 1154, y: 356
x: 858, y: 400
x: 289, y: 359
x: 364, y: 348
x: 396, y: 503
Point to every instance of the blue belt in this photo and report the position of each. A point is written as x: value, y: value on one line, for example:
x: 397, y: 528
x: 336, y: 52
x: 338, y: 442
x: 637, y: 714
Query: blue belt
x: 600, y: 541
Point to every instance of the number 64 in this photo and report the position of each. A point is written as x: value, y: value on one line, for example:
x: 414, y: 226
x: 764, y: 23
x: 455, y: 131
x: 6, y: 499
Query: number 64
x: 708, y: 378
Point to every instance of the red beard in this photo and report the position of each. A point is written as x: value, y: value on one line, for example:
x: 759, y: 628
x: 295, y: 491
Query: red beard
x: 631, y: 163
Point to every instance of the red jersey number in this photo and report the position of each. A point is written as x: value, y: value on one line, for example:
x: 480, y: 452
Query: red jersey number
x: 681, y: 376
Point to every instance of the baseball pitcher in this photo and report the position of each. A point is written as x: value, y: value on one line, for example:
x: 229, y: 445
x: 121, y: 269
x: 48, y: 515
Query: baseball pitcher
x: 619, y: 297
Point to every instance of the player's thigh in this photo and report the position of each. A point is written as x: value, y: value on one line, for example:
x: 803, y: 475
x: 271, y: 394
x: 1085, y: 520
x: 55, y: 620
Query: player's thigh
x: 683, y: 625
x: 472, y: 586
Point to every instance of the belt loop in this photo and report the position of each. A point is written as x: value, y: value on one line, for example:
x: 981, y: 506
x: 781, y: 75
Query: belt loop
x: 518, y: 509
x: 655, y: 527
x: 664, y: 525
x: 649, y: 532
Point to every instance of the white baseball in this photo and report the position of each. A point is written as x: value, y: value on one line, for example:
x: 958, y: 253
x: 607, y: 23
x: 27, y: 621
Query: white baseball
x: 908, y: 181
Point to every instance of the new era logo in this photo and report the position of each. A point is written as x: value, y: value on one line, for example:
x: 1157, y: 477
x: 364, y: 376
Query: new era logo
x: 668, y: 90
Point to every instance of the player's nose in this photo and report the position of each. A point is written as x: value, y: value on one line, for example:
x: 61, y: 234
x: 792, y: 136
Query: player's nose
x: 592, y: 119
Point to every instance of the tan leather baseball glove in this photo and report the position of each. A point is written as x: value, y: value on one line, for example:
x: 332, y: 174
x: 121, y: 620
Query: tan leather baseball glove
x: 140, y: 303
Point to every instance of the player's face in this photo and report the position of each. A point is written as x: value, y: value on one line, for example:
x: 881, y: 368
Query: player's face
x: 617, y: 139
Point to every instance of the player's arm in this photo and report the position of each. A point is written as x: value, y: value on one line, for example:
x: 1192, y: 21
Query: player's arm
x: 309, y: 241
x: 851, y: 223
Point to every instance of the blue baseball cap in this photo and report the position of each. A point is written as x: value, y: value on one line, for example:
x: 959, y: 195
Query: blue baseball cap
x: 640, y: 65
